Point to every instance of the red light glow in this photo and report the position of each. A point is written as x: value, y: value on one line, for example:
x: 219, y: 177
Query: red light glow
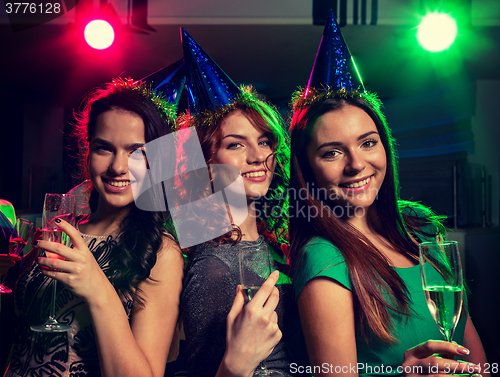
x: 99, y: 34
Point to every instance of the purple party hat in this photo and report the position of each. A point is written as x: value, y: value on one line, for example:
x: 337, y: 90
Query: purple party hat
x: 334, y: 68
x: 168, y: 82
x: 208, y: 87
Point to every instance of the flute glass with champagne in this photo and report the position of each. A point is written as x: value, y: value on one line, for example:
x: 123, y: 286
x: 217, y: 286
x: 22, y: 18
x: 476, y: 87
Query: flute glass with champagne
x: 442, y: 281
x: 255, y: 268
x: 60, y: 206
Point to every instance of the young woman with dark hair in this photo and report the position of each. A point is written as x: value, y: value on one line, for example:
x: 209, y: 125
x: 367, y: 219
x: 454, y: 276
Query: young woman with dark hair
x: 355, y: 260
x: 122, y: 277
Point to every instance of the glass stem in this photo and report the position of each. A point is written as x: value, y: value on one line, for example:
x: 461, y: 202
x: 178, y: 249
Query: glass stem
x: 448, y: 335
x: 53, y: 306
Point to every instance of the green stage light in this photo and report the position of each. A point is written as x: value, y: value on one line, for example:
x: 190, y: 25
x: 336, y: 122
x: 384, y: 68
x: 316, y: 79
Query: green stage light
x: 437, y: 32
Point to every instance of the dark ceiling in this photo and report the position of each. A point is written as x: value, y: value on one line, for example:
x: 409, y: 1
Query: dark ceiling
x: 51, y: 64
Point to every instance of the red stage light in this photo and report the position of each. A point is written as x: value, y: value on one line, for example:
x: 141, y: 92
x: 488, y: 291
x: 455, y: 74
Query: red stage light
x: 99, y: 34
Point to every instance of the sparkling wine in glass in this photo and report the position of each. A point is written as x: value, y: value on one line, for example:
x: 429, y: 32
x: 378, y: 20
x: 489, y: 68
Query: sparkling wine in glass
x: 442, y: 280
x: 60, y: 206
x: 17, y: 242
x: 255, y: 268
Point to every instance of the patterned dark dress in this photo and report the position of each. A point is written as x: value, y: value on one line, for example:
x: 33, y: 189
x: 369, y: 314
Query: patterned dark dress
x: 71, y: 354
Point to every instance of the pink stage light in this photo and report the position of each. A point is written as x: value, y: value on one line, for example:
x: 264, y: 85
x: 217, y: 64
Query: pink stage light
x: 99, y: 34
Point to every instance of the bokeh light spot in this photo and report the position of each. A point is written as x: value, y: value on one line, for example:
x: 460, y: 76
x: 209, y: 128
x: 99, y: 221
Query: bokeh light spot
x: 99, y: 34
x: 437, y: 32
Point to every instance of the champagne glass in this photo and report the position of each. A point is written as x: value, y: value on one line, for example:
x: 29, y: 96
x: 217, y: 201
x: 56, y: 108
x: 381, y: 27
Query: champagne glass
x: 17, y: 242
x: 60, y: 206
x: 255, y: 268
x: 442, y: 281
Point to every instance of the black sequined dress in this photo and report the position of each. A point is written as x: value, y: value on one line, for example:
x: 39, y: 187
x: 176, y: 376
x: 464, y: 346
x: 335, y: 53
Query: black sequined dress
x: 71, y: 354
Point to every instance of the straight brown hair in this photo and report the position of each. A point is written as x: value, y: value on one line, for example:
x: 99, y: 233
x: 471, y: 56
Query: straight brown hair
x: 369, y: 270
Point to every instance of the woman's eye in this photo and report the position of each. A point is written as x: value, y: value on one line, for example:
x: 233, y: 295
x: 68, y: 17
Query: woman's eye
x: 233, y: 146
x: 370, y: 143
x: 138, y: 153
x: 331, y: 154
x: 101, y: 148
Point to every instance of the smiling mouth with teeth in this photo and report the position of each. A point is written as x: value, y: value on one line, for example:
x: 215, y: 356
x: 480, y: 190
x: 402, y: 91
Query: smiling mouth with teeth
x: 119, y: 183
x: 357, y: 184
x: 254, y: 174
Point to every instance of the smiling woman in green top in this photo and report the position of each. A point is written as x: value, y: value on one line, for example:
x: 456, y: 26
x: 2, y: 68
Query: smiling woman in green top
x: 355, y: 251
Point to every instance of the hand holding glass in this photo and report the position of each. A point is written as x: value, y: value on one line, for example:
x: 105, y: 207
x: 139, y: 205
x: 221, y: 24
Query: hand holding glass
x: 255, y: 268
x: 60, y: 206
x: 442, y: 281
x: 17, y: 242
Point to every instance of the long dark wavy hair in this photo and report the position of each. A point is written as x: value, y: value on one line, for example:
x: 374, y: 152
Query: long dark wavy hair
x: 271, y: 209
x: 404, y: 222
x: 141, y: 232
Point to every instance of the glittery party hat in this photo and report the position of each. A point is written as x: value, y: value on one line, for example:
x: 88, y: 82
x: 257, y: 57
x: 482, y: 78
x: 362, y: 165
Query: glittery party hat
x: 168, y: 81
x: 208, y: 87
x: 334, y: 68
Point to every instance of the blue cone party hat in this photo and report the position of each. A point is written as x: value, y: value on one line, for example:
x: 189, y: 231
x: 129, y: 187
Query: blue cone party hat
x: 169, y: 81
x: 334, y: 68
x: 208, y: 87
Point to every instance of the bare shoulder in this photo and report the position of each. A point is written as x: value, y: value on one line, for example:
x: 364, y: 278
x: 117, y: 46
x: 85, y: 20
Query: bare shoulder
x: 166, y: 276
x: 169, y: 259
x: 169, y: 245
x: 154, y: 324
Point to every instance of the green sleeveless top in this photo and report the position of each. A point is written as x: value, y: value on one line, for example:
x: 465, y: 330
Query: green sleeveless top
x: 321, y: 258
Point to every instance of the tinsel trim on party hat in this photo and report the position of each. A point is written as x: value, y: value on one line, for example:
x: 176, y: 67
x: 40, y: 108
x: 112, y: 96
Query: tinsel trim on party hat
x: 170, y: 81
x: 303, y: 98
x: 210, y: 117
x: 166, y: 109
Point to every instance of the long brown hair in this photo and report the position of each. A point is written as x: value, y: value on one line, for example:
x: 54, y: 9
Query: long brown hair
x: 369, y: 270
